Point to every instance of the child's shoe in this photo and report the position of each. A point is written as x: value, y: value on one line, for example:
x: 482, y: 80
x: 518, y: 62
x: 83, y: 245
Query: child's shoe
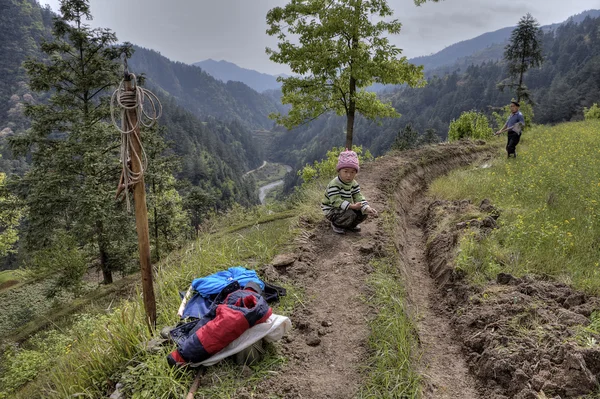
x: 356, y: 228
x: 336, y: 229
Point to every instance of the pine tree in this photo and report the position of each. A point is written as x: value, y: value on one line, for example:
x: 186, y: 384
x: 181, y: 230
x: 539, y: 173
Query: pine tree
x: 74, y: 150
x: 406, y: 139
x: 341, y: 51
x: 523, y: 52
x: 10, y: 215
x: 168, y: 222
x: 429, y: 137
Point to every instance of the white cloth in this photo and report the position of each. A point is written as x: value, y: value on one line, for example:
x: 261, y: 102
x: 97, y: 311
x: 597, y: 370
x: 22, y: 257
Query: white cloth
x: 272, y: 330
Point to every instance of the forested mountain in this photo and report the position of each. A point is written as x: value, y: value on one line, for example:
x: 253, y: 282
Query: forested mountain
x: 202, y: 94
x: 214, y: 155
x: 483, y: 48
x: 226, y: 71
x: 206, y: 124
x: 216, y: 123
x: 568, y: 81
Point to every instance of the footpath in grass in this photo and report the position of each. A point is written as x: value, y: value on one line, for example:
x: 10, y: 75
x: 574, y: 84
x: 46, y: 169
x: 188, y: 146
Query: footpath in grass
x: 100, y: 347
x: 549, y: 199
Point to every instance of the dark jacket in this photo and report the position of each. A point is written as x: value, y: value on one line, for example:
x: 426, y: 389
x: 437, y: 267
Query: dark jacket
x: 223, y: 324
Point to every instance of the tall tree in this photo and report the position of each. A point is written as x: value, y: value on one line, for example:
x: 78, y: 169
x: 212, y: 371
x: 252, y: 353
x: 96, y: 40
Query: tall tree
x: 168, y: 222
x: 339, y: 52
x: 523, y: 52
x: 406, y: 139
x: 74, y: 150
x: 10, y: 215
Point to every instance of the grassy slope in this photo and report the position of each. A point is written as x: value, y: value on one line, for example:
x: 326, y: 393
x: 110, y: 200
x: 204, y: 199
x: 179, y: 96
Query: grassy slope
x: 549, y: 198
x: 97, y: 348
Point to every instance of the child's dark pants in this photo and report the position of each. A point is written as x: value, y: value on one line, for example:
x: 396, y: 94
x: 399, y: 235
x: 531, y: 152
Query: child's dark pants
x: 347, y: 219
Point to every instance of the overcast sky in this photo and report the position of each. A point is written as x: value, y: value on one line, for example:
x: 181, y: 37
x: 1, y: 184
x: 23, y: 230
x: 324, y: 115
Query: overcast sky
x: 234, y: 30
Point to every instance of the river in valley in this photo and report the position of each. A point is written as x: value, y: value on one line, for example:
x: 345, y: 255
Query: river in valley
x: 264, y: 190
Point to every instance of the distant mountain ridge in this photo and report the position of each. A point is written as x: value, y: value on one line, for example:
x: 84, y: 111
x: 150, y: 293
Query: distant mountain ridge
x: 486, y: 47
x: 483, y: 48
x: 228, y: 71
x: 202, y: 94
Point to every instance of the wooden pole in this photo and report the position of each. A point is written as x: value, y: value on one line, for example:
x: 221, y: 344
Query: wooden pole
x: 195, y: 384
x: 141, y: 218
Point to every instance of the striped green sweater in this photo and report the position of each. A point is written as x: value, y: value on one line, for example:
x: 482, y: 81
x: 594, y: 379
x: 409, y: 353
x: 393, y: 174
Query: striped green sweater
x: 341, y: 195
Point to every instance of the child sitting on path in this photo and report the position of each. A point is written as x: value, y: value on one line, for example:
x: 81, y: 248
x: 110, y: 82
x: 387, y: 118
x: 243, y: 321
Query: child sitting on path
x: 344, y: 205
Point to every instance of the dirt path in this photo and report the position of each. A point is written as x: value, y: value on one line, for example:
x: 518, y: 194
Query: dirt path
x: 443, y: 366
x: 328, y: 345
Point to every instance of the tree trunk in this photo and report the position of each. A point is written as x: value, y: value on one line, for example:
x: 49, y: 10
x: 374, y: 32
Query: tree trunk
x: 351, y: 110
x: 519, y: 89
x: 350, y: 114
x: 106, y: 272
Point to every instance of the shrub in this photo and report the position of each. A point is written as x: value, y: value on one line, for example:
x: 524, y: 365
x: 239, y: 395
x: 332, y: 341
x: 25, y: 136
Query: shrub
x: 470, y: 125
x: 326, y: 167
x: 592, y: 113
x: 64, y: 261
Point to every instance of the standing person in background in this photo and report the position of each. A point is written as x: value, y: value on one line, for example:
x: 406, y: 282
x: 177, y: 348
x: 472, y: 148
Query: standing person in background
x: 514, y: 125
x: 344, y: 205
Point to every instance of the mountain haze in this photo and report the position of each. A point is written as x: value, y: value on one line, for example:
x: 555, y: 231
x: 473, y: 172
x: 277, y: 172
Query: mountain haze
x: 202, y: 94
x: 226, y: 71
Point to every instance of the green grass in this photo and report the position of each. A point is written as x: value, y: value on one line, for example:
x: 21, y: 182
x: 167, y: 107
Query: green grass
x: 103, y: 345
x: 393, y: 340
x: 99, y: 349
x: 9, y: 275
x: 550, y: 207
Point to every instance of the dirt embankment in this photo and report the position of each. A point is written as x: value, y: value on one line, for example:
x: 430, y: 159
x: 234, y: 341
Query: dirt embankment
x: 327, y: 349
x: 442, y: 364
x: 523, y: 337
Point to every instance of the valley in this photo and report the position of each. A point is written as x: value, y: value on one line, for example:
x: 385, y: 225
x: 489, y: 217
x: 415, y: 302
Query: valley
x: 478, y: 277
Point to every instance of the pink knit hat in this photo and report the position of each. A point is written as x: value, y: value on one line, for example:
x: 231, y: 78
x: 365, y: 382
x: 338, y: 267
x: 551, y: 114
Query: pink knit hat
x: 348, y: 159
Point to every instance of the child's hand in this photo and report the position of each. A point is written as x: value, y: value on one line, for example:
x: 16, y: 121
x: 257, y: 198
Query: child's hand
x: 356, y: 206
x: 371, y: 211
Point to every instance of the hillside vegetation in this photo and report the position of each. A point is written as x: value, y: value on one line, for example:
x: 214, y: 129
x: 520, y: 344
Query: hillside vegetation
x: 89, y: 352
x: 549, y: 202
x: 566, y: 83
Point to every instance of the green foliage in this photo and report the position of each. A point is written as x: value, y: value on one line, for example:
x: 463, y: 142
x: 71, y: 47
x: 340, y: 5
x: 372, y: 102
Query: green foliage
x: 522, y: 53
x: 74, y: 152
x: 406, y: 139
x: 429, y: 137
x: 168, y: 222
x: 592, y: 113
x: 327, y: 167
x: 549, y: 208
x: 24, y: 364
x: 10, y: 215
x: 470, y: 125
x: 63, y: 262
x: 341, y: 51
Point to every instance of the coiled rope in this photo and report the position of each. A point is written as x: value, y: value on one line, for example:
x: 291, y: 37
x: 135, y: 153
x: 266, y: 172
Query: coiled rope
x: 128, y: 100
